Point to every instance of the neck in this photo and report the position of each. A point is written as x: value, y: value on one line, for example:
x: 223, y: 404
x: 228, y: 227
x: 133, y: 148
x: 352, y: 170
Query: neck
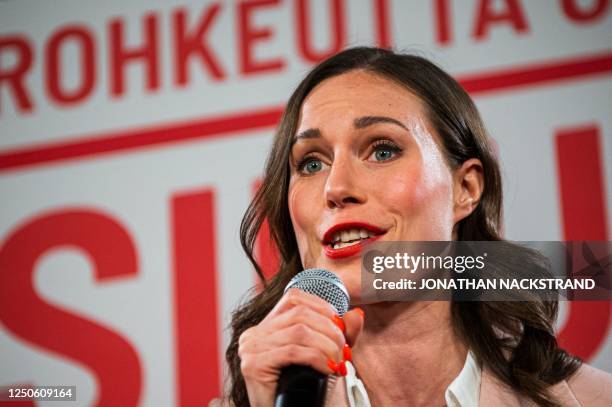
x: 408, y: 353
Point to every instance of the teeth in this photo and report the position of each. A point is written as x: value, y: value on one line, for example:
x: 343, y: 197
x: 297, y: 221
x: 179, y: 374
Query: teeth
x: 350, y: 237
x: 354, y: 234
x: 344, y: 236
x: 340, y: 245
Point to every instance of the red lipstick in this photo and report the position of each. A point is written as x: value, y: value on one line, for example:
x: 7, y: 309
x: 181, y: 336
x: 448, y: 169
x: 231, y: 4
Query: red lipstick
x: 352, y: 250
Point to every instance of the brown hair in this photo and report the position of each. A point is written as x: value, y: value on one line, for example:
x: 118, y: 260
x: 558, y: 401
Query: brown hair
x: 527, y: 358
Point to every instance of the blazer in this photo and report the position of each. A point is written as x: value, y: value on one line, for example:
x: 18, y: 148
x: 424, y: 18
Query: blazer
x: 587, y: 387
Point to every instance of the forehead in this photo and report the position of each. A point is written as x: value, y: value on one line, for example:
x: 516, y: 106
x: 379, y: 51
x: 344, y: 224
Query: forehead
x: 359, y: 93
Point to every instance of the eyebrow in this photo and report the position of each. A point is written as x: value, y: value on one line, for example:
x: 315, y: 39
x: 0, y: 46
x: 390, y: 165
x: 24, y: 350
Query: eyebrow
x: 307, y: 134
x: 366, y: 121
x: 359, y: 123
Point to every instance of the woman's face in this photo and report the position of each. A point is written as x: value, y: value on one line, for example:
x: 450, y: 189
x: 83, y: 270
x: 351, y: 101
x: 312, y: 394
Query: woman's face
x: 365, y: 166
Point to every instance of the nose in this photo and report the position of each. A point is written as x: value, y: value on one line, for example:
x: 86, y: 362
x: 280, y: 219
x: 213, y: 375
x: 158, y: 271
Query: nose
x: 342, y: 186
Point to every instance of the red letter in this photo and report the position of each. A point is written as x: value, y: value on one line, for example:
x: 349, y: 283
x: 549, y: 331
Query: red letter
x: 582, y: 186
x: 249, y: 35
x: 266, y: 252
x: 87, y: 67
x: 108, y: 356
x: 196, y: 308
x: 578, y: 152
x: 304, y: 31
x: 14, y: 77
x: 187, y: 45
x: 267, y: 257
x: 487, y: 16
x: 381, y: 11
x: 119, y: 55
x: 443, y: 28
x: 578, y: 15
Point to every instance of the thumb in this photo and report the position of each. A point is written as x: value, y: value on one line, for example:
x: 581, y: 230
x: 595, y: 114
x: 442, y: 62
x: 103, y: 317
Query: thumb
x: 353, y: 321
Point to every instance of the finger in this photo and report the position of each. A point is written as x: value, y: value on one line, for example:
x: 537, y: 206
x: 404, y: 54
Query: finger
x: 299, y: 334
x: 295, y: 297
x: 298, y: 314
x: 302, y: 314
x: 353, y: 320
x: 274, y: 360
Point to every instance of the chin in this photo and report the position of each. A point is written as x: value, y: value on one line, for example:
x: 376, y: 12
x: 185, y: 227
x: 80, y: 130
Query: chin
x: 352, y: 282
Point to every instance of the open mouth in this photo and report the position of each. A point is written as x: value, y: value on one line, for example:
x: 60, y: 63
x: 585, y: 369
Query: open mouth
x: 348, y: 239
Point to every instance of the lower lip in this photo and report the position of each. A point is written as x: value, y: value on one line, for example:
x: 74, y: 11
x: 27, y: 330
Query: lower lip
x: 349, y: 250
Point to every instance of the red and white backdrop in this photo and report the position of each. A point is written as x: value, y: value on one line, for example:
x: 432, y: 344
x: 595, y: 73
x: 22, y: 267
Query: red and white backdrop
x: 133, y: 134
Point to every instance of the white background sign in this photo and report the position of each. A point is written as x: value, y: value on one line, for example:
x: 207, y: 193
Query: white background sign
x: 132, y: 135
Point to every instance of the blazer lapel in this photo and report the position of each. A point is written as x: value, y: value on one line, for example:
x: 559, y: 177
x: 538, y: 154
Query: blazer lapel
x: 495, y: 393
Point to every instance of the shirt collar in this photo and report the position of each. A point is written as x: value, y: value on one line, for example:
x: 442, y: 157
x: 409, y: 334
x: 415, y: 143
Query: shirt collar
x: 464, y: 391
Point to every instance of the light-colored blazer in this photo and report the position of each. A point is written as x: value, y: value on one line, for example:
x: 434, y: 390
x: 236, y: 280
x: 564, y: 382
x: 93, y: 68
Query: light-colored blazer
x: 587, y: 387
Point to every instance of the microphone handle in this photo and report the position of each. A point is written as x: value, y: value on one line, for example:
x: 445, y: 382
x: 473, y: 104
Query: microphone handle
x: 301, y: 386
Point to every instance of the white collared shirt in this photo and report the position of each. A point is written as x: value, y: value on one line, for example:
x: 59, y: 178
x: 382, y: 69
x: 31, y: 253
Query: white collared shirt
x: 464, y: 391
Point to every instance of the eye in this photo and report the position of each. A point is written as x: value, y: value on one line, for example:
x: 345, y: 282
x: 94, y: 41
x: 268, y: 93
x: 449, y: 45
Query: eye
x: 309, y: 165
x: 385, y: 150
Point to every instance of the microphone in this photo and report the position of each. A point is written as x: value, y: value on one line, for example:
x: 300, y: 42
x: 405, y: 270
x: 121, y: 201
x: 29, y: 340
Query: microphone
x: 303, y: 386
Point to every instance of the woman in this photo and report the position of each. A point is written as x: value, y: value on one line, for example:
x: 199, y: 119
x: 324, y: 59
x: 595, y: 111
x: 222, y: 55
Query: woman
x: 377, y: 145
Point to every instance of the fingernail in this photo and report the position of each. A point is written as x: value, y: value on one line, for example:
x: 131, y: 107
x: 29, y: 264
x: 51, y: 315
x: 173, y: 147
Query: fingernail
x: 347, y: 353
x: 339, y: 322
x: 333, y: 366
x: 342, y: 368
x: 360, y: 311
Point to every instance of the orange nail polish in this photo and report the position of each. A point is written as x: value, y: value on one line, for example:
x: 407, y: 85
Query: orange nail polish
x: 360, y: 311
x: 339, y: 322
x: 342, y: 368
x: 333, y: 366
x: 347, y: 353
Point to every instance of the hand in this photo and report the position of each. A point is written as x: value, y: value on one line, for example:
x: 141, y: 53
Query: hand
x: 302, y: 329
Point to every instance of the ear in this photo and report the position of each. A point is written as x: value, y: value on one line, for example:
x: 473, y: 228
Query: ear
x: 467, y: 189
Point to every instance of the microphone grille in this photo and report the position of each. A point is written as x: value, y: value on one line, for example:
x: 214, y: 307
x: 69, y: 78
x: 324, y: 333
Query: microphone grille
x: 324, y: 284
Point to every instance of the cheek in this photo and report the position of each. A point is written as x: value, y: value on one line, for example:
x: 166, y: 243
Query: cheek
x: 433, y: 181
x: 302, y: 214
x: 294, y: 209
x: 422, y: 201
x: 408, y: 188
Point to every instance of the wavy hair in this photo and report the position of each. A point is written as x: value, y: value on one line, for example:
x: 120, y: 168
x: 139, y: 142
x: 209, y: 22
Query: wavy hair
x: 527, y: 358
